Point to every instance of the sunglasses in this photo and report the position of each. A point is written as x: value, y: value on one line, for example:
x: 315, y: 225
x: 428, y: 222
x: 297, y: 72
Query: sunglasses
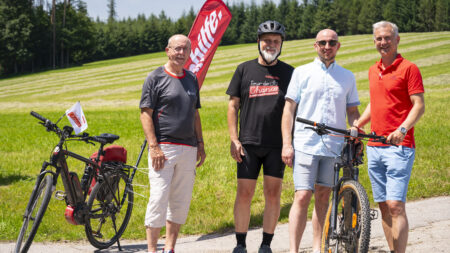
x: 323, y: 43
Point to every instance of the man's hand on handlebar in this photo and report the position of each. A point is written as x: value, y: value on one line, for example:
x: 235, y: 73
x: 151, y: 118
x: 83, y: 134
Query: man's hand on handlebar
x: 395, y: 137
x: 354, y: 132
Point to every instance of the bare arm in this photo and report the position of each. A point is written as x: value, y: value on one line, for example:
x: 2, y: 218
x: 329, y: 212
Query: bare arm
x: 201, y: 155
x: 287, y: 122
x: 413, y: 117
x: 364, y: 119
x: 156, y: 154
x: 352, y: 118
x: 352, y: 114
x: 236, y: 150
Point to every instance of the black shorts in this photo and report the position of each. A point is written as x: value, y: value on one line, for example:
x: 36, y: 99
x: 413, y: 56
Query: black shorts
x: 269, y: 158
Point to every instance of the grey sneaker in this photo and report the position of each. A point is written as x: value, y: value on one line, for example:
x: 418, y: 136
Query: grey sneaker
x: 264, y: 249
x: 239, y: 249
x: 169, y: 251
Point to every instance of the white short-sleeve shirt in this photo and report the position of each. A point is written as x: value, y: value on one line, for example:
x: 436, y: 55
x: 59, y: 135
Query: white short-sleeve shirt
x: 322, y: 95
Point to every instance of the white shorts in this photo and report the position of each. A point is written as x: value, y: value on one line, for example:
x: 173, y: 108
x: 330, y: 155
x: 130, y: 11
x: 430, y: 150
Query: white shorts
x: 171, y: 187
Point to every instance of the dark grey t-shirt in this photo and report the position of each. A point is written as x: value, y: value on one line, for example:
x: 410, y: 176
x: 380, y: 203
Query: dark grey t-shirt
x: 173, y: 101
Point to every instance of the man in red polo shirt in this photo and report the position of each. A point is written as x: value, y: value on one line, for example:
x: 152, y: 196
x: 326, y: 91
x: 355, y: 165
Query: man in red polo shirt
x: 396, y: 105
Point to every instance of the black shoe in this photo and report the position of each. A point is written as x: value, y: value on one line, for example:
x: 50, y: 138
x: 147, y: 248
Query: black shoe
x: 264, y: 249
x: 239, y: 249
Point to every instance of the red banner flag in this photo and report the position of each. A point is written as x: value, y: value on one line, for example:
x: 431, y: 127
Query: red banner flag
x: 206, y: 32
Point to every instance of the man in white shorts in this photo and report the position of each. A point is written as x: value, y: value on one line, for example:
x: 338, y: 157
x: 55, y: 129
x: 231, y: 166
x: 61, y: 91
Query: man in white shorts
x: 171, y: 123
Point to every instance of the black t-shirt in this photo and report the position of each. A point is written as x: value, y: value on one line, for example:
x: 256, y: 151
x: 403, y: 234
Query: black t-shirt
x: 174, y: 101
x: 261, y: 90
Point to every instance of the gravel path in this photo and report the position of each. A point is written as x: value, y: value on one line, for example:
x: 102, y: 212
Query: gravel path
x: 429, y: 222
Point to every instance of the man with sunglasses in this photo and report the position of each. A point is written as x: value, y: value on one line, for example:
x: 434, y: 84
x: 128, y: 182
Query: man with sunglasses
x: 257, y: 92
x: 324, y: 92
x: 396, y: 105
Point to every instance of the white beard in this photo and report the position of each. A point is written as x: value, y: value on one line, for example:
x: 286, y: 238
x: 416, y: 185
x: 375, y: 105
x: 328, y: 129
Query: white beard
x: 269, y: 57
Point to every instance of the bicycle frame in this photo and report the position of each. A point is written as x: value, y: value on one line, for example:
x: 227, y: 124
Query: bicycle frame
x: 73, y: 196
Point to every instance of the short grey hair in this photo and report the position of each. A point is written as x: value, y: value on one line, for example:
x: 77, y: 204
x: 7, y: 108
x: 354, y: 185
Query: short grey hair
x: 173, y: 37
x: 383, y: 24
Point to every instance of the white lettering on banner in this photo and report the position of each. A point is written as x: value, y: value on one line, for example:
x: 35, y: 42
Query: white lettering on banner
x: 213, y: 22
x: 204, y: 42
x: 196, y: 56
x: 208, y: 31
x: 200, y: 44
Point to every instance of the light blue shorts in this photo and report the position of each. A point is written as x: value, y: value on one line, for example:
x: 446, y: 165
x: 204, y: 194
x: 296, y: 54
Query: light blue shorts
x: 389, y: 171
x: 313, y: 169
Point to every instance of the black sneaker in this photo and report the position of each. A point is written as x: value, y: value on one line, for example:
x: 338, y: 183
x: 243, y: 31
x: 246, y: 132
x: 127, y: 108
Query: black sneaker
x: 239, y: 249
x: 264, y: 249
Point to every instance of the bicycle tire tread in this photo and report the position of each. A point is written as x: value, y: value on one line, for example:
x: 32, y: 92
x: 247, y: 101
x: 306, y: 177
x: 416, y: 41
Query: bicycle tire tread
x: 363, y: 219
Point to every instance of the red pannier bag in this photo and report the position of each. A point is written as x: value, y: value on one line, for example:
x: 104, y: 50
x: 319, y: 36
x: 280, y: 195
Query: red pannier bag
x: 111, y: 153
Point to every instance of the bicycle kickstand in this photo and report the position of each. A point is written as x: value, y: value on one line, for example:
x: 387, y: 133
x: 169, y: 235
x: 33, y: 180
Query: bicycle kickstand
x: 373, y: 214
x: 115, y: 229
x: 118, y: 244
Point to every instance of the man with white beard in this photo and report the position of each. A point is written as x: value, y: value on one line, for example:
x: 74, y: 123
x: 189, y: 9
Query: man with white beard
x: 257, y: 90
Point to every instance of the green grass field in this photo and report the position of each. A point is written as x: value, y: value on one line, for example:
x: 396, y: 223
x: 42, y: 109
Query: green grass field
x: 109, y: 92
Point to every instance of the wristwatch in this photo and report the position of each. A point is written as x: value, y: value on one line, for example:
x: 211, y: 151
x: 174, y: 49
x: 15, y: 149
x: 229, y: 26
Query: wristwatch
x: 402, y: 130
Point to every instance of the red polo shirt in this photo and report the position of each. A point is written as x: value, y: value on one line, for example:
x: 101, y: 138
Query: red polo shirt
x: 390, y: 92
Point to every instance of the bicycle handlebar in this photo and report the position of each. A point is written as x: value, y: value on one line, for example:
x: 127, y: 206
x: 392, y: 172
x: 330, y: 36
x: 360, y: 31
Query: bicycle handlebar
x: 38, y: 116
x: 48, y: 124
x: 66, y: 133
x: 321, y: 129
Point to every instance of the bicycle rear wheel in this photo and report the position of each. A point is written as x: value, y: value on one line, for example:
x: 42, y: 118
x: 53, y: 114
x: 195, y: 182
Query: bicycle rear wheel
x: 108, y: 218
x: 352, y: 233
x: 37, y: 205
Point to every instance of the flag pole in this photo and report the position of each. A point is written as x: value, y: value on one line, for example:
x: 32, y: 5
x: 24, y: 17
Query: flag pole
x: 62, y: 116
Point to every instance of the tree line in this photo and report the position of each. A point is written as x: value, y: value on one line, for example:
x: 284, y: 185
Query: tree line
x: 42, y: 34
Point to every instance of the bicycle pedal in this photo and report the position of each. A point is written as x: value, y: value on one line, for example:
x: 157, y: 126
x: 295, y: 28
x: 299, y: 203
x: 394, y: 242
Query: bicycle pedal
x: 373, y: 214
x: 60, y: 195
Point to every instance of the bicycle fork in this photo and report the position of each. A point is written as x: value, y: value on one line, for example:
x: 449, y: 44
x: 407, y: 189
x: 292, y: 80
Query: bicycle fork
x: 40, y: 177
x: 335, y: 202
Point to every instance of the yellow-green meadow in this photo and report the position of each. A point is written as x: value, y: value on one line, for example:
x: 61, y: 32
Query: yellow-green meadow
x: 109, y: 92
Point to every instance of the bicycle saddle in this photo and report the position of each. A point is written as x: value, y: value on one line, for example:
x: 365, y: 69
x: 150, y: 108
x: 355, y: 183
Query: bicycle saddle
x: 109, y: 138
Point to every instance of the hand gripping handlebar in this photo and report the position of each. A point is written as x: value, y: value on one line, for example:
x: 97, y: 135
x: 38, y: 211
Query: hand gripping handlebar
x: 321, y: 129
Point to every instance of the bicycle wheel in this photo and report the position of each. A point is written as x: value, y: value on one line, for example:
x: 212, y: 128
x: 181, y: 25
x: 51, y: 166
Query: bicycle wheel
x: 34, y: 212
x: 108, y: 216
x: 352, y: 233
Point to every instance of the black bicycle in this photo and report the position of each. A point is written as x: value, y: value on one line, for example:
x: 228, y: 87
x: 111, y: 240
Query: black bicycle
x: 347, y: 223
x: 102, y: 201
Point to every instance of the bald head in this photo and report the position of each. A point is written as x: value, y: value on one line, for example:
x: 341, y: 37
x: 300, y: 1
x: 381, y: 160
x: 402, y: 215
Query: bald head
x: 327, y: 45
x: 181, y: 38
x: 328, y: 33
x: 178, y: 50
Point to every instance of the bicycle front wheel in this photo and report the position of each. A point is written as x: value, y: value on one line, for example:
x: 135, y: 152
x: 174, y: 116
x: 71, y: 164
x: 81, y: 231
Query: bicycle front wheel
x: 37, y: 205
x: 110, y: 205
x: 352, y: 232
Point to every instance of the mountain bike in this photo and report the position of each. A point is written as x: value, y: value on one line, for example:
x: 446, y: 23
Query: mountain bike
x: 347, y: 222
x: 102, y: 201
